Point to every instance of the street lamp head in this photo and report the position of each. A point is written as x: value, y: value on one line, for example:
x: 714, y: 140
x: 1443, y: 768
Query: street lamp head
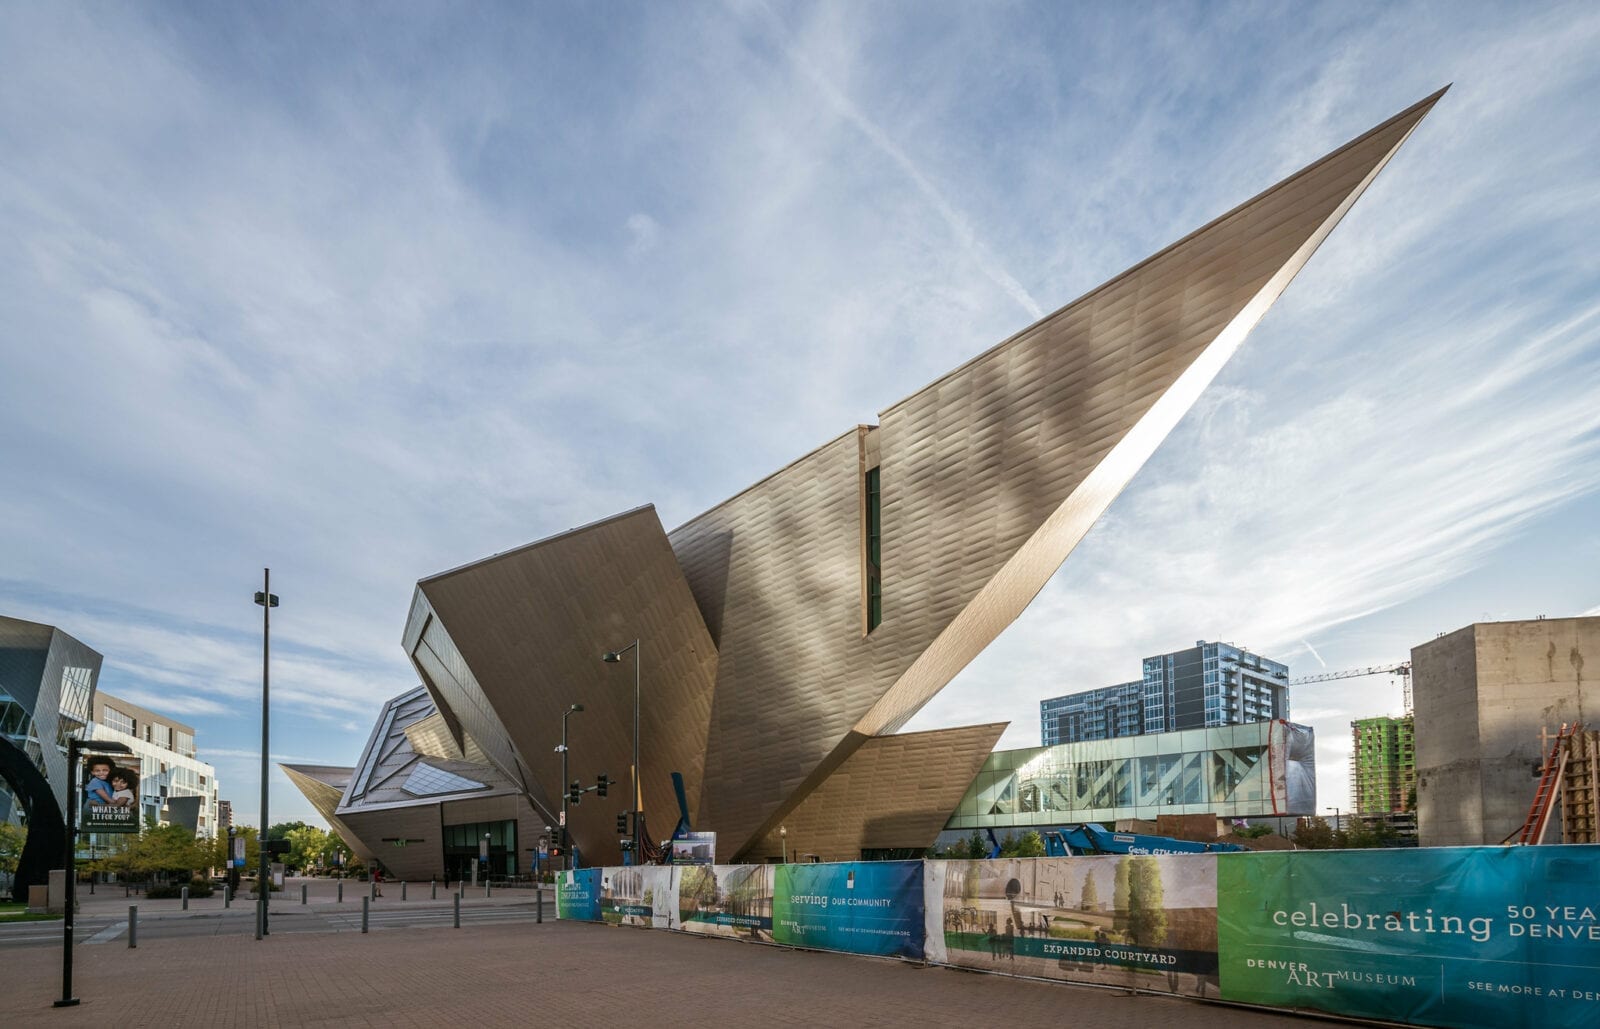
x: 576, y: 707
x: 783, y: 830
x: 611, y: 657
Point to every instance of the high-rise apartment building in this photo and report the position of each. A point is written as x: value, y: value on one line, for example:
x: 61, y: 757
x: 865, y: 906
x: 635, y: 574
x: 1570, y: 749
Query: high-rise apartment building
x: 174, y: 787
x: 1383, y: 765
x: 1207, y: 685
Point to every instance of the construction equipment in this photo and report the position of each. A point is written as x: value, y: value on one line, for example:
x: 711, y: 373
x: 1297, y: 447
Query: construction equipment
x: 1093, y: 838
x: 1544, y: 798
x: 1403, y: 670
x: 1578, y: 788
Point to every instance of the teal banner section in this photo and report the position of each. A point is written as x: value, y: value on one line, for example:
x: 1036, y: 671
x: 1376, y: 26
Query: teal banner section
x: 1461, y: 937
x: 866, y: 908
x: 578, y: 895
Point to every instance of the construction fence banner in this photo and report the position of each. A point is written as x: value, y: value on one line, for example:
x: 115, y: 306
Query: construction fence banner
x: 870, y: 907
x: 1457, y: 936
x: 578, y: 894
x: 1136, y: 922
x: 642, y: 895
x: 1463, y: 937
x: 726, y: 900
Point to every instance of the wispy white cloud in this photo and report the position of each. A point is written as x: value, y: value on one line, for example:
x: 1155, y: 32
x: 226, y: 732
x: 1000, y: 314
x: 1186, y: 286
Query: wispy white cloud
x: 314, y: 297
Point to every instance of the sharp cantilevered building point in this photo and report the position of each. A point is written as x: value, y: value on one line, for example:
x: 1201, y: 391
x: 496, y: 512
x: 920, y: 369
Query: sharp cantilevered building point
x: 823, y: 606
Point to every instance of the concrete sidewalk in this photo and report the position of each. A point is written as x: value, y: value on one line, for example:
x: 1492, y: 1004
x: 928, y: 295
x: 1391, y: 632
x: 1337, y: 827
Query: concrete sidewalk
x: 557, y: 973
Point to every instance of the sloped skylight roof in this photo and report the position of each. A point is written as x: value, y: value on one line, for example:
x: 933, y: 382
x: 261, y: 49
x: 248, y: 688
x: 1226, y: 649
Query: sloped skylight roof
x: 427, y: 781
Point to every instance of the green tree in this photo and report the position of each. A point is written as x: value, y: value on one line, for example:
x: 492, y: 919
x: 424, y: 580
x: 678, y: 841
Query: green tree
x: 1147, y: 913
x: 1090, y: 898
x: 306, y: 846
x: 1008, y: 846
x: 1030, y: 845
x: 977, y: 847
x: 1313, y: 834
x: 12, y: 838
x: 1371, y: 834
x: 1119, y: 894
x: 162, y: 852
x: 281, y: 830
x: 252, y: 849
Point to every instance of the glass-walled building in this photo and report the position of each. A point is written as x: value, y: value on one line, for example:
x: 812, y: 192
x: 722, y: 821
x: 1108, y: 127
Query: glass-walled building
x: 47, y: 684
x: 1232, y: 771
x: 1208, y: 684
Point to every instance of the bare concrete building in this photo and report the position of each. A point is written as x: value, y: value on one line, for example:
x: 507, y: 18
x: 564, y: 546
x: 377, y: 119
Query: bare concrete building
x: 1482, y: 696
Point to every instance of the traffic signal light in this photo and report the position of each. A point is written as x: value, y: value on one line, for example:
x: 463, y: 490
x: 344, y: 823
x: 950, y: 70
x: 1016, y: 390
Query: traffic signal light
x: 574, y: 792
x: 622, y: 825
x: 600, y: 785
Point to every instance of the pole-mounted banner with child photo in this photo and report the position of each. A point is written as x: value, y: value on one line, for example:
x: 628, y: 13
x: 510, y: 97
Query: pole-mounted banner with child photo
x: 111, y: 793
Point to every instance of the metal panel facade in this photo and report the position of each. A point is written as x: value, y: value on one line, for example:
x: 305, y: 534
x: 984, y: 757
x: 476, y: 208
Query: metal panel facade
x: 762, y: 677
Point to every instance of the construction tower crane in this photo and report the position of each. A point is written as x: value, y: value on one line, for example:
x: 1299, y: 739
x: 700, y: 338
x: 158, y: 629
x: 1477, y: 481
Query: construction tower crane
x: 1403, y: 670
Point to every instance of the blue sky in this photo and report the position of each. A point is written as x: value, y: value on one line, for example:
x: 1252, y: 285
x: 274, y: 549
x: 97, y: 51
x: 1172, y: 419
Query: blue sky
x: 363, y: 298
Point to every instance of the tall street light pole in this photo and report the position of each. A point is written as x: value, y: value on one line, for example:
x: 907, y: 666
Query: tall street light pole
x: 612, y: 657
x: 73, y: 750
x: 566, y: 856
x: 267, y: 601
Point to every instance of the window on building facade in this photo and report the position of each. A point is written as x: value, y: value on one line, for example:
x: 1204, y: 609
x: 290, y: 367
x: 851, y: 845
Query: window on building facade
x: 75, y: 689
x: 874, y: 530
x: 119, y: 721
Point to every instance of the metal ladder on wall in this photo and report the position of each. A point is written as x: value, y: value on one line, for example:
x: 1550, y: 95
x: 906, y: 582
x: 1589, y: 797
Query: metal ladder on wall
x: 1555, y: 765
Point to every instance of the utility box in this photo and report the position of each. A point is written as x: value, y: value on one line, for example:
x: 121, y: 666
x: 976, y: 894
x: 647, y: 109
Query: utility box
x: 58, y: 891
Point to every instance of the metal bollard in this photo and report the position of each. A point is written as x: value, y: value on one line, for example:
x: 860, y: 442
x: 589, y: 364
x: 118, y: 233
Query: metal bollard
x: 458, y: 911
x: 341, y: 891
x: 486, y: 889
x: 372, y: 888
x: 227, y: 895
x: 402, y: 889
x: 538, y: 900
x: 185, y: 895
x: 365, y: 903
x: 302, y: 893
x: 433, y: 886
x: 133, y: 926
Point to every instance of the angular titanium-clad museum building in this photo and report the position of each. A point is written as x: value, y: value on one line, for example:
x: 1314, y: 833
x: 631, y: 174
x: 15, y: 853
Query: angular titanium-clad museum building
x: 787, y: 633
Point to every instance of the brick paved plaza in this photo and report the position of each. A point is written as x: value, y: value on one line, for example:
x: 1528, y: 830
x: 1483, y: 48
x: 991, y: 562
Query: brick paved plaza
x: 215, y: 975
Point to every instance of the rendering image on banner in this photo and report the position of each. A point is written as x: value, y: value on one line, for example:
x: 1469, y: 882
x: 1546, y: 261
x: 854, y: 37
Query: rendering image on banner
x: 869, y: 908
x: 1457, y: 936
x: 1141, y: 922
x: 578, y: 895
x: 643, y: 895
x: 110, y: 794
x: 726, y: 900
x: 696, y: 848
